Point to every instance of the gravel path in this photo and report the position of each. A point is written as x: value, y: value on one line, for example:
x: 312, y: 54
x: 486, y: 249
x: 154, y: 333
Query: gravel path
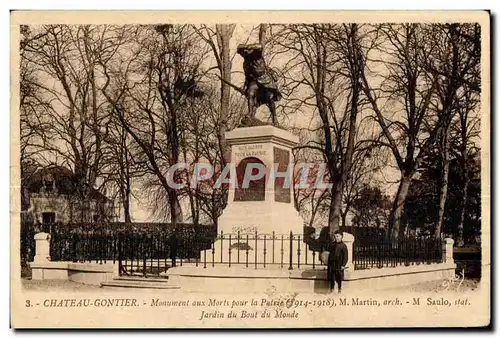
x: 439, y: 286
x: 58, y: 285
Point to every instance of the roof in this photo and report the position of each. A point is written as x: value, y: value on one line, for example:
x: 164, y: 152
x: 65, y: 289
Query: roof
x: 65, y: 181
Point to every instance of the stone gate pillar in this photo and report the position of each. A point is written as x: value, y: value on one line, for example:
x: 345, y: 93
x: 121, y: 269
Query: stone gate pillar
x: 42, y: 248
x: 348, y: 239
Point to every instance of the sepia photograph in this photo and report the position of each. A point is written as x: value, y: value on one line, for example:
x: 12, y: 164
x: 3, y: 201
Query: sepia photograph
x: 250, y: 170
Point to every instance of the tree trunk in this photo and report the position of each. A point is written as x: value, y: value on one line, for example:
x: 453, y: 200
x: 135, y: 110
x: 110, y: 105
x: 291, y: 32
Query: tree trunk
x: 175, y: 207
x: 346, y: 159
x: 214, y: 211
x: 463, y: 205
x: 448, y: 113
x: 174, y: 140
x: 315, y: 207
x: 398, y: 205
x: 344, y: 216
x: 444, y: 174
x: 126, y: 205
x: 224, y: 33
x: 123, y: 200
x: 125, y: 176
x: 465, y: 180
x: 128, y: 191
x: 443, y: 192
x: 464, y: 162
x: 262, y: 34
x: 335, y: 207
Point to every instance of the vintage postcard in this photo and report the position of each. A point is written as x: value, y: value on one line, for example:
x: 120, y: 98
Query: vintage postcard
x: 250, y: 169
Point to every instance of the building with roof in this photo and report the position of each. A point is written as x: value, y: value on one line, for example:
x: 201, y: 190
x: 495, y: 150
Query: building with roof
x: 52, y: 194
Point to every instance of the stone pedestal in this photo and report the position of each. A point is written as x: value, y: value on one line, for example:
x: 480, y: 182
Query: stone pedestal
x: 348, y: 239
x: 42, y: 247
x: 260, y: 234
x: 448, y: 251
x: 267, y: 205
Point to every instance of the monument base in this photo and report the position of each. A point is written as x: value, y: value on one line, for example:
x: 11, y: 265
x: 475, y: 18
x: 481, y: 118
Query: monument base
x: 265, y: 217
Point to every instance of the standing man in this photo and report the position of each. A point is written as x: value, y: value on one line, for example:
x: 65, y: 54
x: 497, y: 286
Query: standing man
x: 337, y: 260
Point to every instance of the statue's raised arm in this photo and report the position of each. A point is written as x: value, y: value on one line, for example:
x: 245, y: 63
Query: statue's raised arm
x: 260, y: 84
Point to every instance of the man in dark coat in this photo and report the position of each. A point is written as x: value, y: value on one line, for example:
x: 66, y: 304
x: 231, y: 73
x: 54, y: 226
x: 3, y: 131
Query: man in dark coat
x: 337, y: 260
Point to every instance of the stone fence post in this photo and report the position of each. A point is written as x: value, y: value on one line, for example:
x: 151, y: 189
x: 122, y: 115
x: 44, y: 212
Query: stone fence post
x: 448, y: 251
x: 348, y: 239
x: 42, y: 248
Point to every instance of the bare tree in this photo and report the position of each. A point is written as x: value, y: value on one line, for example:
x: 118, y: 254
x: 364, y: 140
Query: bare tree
x: 405, y: 88
x: 464, y: 129
x: 120, y: 171
x: 326, y: 62
x: 309, y: 200
x: 454, y: 63
x: 368, y: 160
x: 33, y: 126
x: 157, y: 94
x: 66, y: 60
x: 202, y: 142
x: 467, y: 129
x: 221, y: 52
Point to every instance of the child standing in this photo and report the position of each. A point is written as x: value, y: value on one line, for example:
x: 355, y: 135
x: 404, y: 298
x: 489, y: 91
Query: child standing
x: 337, y: 260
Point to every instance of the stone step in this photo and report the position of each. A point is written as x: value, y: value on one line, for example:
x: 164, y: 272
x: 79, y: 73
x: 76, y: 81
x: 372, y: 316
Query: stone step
x: 138, y: 284
x: 142, y: 279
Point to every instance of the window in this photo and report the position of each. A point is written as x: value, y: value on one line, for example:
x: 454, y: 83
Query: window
x: 48, y: 217
x: 48, y: 185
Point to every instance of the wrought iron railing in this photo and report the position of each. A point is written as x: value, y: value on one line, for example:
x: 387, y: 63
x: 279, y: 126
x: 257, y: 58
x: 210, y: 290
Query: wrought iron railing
x: 380, y: 252
x: 254, y: 250
x: 27, y: 234
x: 91, y: 242
x: 142, y: 248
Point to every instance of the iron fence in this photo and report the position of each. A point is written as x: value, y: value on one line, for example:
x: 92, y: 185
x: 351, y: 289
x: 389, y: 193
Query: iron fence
x: 151, y: 248
x: 84, y: 246
x: 27, y: 236
x: 153, y: 253
x: 382, y: 252
x: 137, y: 247
x: 254, y: 250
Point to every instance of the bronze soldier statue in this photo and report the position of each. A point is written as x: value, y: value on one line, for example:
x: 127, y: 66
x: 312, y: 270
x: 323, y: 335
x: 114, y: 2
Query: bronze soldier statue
x: 260, y: 84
